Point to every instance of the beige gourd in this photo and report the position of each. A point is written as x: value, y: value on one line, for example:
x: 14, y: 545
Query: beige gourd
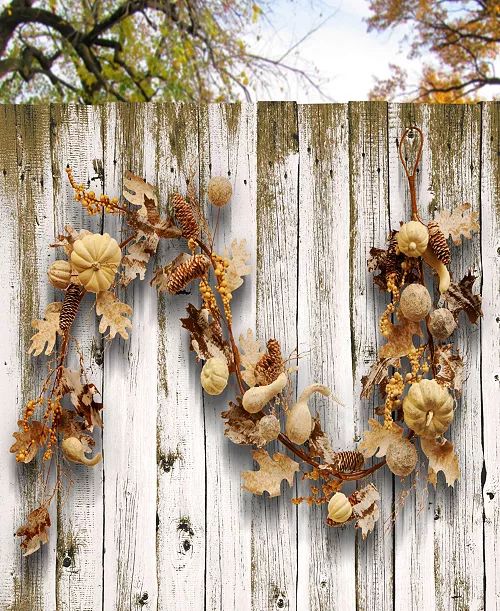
x: 428, y: 408
x: 60, y: 274
x: 214, y: 375
x: 96, y: 258
x: 415, y: 302
x: 441, y: 323
x: 442, y: 271
x: 219, y: 191
x: 255, y: 398
x: 339, y: 508
x: 73, y: 450
x: 413, y: 238
x: 299, y: 421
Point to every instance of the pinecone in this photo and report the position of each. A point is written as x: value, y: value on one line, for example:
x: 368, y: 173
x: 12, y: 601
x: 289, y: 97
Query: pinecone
x: 185, y: 217
x: 438, y: 243
x: 348, y: 461
x: 270, y: 365
x: 183, y: 274
x: 71, y: 303
x: 392, y: 263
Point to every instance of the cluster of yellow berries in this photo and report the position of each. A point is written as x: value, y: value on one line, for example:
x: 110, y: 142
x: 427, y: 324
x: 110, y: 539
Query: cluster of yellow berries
x: 394, y: 389
x: 414, y: 357
x: 47, y: 455
x: 29, y: 410
x: 207, y: 294
x: 88, y: 199
x: 392, y: 287
x: 385, y: 320
x: 221, y: 265
x: 54, y: 409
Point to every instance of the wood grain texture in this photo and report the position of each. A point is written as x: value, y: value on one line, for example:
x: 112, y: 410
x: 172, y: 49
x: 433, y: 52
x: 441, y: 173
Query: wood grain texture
x: 163, y: 523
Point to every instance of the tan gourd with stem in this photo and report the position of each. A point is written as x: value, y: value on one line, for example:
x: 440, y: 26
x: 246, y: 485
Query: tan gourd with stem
x: 255, y: 398
x: 299, y: 420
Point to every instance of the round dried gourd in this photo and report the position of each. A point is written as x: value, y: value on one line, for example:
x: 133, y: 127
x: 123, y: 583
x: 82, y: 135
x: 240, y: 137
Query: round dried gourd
x: 339, y: 508
x: 219, y: 191
x: 96, y: 258
x: 269, y: 427
x: 413, y: 238
x: 441, y: 323
x: 428, y: 408
x: 415, y: 302
x: 214, y: 375
x: 401, y: 457
x: 60, y: 274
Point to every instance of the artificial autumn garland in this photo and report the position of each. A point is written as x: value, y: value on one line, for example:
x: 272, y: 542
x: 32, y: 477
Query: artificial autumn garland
x: 417, y: 380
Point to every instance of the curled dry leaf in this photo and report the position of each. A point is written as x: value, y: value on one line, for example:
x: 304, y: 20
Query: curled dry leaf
x: 238, y: 264
x: 34, y: 530
x: 135, y: 262
x: 376, y: 375
x: 206, y: 335
x: 67, y: 240
x: 47, y: 330
x: 365, y: 508
x: 271, y: 473
x: 71, y: 425
x: 151, y: 224
x: 136, y: 189
x: 114, y: 314
x: 319, y: 444
x: 29, y: 441
x: 460, y: 297
x: 241, y: 427
x: 449, y: 367
x: 400, y: 338
x: 82, y: 397
x: 442, y: 457
x: 379, y: 438
x: 460, y: 222
x: 250, y: 354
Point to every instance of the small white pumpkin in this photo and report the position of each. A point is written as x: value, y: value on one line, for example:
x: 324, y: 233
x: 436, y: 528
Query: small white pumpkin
x: 96, y: 258
x: 214, y: 375
x: 339, y: 508
x: 428, y: 408
x: 413, y: 238
x: 59, y: 274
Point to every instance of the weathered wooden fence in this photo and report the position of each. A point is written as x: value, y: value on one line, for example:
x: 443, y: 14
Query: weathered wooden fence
x: 163, y: 523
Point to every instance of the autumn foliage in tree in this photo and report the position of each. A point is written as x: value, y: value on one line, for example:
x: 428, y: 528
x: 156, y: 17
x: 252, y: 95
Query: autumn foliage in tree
x: 462, y: 36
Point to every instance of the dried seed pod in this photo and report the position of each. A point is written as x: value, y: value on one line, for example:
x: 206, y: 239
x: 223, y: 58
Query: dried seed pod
x: 71, y: 303
x: 270, y: 365
x: 348, y: 461
x: 392, y: 266
x: 438, y: 243
x: 428, y: 408
x: 256, y: 397
x: 185, y: 217
x: 441, y: 323
x: 339, y: 508
x: 415, y: 302
x: 442, y: 271
x: 73, y: 450
x: 299, y: 420
x: 96, y: 258
x: 413, y: 238
x: 214, y: 375
x: 219, y: 191
x: 269, y: 427
x: 59, y: 274
x: 183, y: 274
x: 401, y: 457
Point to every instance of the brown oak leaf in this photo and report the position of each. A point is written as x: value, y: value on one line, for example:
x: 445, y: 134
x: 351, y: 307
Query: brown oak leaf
x: 47, y: 330
x: 238, y: 258
x: 319, y: 444
x: 387, y: 261
x: 449, y: 366
x: 114, y: 314
x: 152, y: 224
x: 29, y: 441
x: 400, y: 338
x: 206, y: 335
x: 365, y: 508
x: 442, y: 457
x: 460, y: 297
x: 82, y: 397
x: 136, y: 189
x: 242, y: 427
x: 66, y: 240
x: 135, y: 262
x: 250, y: 353
x: 271, y: 473
x: 458, y: 223
x: 34, y: 530
x: 376, y: 375
x: 379, y: 438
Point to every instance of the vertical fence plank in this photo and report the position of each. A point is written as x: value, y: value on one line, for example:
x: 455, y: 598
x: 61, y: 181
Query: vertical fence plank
x: 274, y: 521
x: 326, y: 555
x: 369, y: 227
x: 27, y: 215
x: 181, y: 433
x: 490, y: 348
x: 130, y: 392
x: 227, y: 144
x: 76, y: 139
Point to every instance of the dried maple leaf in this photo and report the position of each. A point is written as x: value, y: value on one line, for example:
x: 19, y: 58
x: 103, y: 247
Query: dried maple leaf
x: 29, y: 441
x: 47, y: 330
x: 34, y: 530
x: 67, y: 240
x: 460, y: 297
x: 379, y: 438
x: 82, y: 397
x: 449, y: 366
x: 250, y: 354
x: 238, y: 258
x: 114, y: 314
x: 135, y: 262
x: 441, y: 457
x: 241, y: 427
x: 319, y: 444
x: 400, y: 338
x: 271, y: 473
x: 206, y: 335
x: 365, y: 508
x: 377, y: 373
x: 458, y: 223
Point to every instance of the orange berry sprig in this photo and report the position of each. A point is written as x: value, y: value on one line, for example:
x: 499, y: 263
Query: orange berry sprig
x: 88, y: 199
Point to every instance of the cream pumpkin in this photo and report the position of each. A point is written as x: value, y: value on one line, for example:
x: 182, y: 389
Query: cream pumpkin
x: 413, y: 238
x: 60, y: 274
x: 339, y: 508
x: 428, y: 408
x: 214, y: 375
x: 96, y: 258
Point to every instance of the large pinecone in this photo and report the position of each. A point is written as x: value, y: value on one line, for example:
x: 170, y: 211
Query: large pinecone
x: 183, y: 274
x: 438, y: 243
x: 185, y: 217
x: 71, y: 303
